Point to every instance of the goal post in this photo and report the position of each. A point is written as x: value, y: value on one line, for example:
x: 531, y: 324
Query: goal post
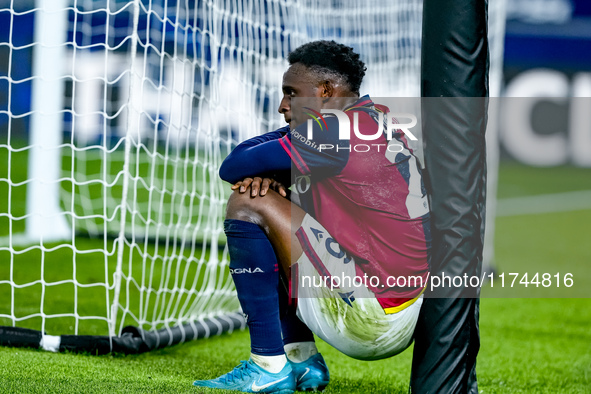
x: 134, y: 104
x: 45, y: 222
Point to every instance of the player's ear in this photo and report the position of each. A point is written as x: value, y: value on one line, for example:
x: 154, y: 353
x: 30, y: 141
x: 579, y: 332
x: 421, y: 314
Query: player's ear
x: 326, y: 89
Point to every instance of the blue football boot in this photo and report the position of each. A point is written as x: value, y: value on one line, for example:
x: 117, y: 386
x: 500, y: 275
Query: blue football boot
x: 312, y: 374
x: 250, y: 378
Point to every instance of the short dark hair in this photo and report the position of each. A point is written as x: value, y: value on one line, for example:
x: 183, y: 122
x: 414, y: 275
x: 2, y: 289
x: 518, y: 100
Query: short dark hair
x: 333, y: 57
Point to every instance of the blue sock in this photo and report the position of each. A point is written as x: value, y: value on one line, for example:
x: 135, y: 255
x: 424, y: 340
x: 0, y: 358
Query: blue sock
x: 255, y: 272
x: 293, y: 329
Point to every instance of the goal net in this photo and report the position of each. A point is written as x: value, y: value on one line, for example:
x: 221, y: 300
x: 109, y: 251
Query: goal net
x: 114, y: 119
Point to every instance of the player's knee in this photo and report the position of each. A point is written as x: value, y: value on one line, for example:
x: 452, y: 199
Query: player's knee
x: 241, y: 206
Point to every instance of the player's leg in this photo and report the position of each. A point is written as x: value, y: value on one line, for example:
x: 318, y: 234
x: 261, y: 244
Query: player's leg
x: 355, y: 310
x: 279, y: 219
x: 258, y: 229
x: 255, y: 272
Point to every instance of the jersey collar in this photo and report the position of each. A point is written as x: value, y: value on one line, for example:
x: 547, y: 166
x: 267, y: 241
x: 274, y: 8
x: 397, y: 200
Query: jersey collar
x: 364, y: 102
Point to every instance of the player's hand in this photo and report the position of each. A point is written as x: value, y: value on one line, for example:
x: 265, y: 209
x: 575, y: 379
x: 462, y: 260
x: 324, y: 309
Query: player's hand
x: 260, y: 186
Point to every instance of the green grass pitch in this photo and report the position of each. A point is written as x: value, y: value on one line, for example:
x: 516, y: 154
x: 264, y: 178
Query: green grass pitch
x: 528, y: 345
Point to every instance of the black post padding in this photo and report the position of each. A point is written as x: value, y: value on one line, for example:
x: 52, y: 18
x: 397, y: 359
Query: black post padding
x: 172, y: 336
x: 454, y: 48
x: 133, y: 340
x: 454, y: 113
x: 19, y: 337
x: 93, y: 344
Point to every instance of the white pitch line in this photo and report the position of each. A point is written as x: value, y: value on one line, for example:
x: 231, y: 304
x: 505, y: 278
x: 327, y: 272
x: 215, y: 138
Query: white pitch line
x: 545, y: 203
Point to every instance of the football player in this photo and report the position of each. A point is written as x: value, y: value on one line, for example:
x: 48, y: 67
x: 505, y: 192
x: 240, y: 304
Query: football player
x: 362, y: 215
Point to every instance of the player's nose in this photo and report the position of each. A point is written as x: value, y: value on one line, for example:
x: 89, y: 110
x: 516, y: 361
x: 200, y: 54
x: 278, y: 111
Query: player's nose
x: 284, y: 105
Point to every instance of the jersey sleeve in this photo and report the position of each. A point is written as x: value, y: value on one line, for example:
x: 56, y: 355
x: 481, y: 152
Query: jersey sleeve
x: 262, y: 155
x: 322, y: 155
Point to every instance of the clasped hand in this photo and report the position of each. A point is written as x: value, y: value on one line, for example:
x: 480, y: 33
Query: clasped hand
x: 260, y: 186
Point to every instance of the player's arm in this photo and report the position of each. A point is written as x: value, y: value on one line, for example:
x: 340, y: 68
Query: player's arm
x: 259, y: 161
x: 323, y: 156
x: 261, y: 156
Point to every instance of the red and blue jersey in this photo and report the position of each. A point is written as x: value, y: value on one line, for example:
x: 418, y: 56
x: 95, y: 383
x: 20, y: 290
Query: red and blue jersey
x: 368, y: 194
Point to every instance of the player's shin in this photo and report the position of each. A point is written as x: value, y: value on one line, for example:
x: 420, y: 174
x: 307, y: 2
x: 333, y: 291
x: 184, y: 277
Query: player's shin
x: 254, y: 268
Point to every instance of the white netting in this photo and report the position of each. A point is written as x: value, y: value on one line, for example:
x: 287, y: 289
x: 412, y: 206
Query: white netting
x: 148, y: 97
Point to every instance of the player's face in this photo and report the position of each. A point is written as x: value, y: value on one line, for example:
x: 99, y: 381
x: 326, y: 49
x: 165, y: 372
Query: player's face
x: 298, y: 81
